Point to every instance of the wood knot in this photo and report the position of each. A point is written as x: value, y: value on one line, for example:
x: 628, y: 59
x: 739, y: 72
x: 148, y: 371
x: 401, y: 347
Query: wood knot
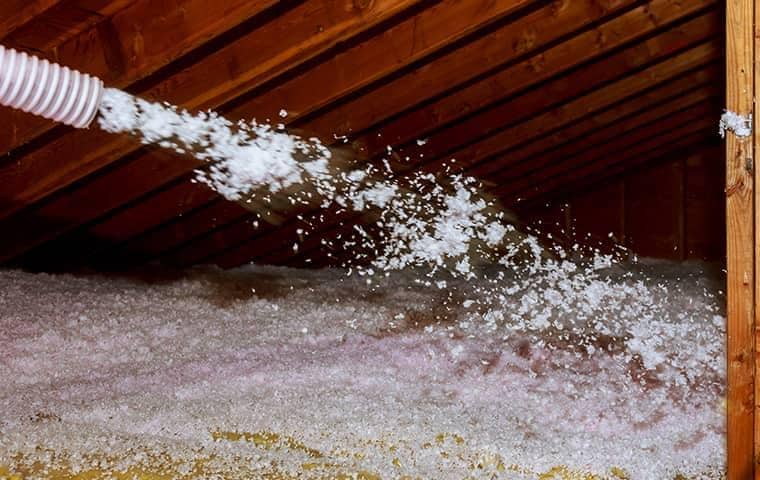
x: 363, y: 4
x: 737, y: 186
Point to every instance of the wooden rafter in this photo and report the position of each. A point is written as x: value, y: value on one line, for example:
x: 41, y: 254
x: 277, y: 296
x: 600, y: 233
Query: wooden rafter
x: 519, y: 73
x: 656, y: 100
x: 440, y: 34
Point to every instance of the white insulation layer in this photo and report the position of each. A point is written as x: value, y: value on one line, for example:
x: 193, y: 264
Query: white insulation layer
x: 37, y: 86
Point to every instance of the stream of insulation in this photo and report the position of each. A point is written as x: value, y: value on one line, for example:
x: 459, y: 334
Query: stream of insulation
x: 461, y: 348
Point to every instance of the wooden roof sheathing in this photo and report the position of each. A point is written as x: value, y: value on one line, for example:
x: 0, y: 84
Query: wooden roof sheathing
x: 534, y: 97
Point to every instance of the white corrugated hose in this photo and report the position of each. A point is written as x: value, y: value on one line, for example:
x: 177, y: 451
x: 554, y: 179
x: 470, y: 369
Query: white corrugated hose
x: 47, y: 89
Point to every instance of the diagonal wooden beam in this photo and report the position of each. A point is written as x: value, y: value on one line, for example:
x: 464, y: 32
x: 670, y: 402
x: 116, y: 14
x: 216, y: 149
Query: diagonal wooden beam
x: 308, y: 251
x: 174, y: 235
x: 644, y: 118
x: 46, y: 174
x: 62, y: 22
x: 197, y: 87
x: 409, y: 41
x: 500, y: 46
x: 339, y: 75
x: 629, y: 86
x: 438, y: 26
x: 557, y: 98
x: 222, y: 75
x: 93, y: 241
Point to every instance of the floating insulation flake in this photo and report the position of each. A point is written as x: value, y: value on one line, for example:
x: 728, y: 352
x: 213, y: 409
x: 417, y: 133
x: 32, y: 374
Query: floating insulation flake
x: 739, y: 124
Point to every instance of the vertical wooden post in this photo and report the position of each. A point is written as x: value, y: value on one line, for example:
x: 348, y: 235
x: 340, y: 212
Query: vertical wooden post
x: 741, y: 209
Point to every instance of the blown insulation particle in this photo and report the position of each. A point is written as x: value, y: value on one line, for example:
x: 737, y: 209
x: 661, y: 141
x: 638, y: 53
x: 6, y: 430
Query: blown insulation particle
x: 733, y: 122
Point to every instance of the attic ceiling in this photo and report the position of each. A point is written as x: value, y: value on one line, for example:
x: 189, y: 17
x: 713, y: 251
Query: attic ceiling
x: 533, y: 97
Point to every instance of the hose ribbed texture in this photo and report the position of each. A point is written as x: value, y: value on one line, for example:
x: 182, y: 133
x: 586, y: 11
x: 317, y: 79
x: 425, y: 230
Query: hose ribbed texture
x: 52, y: 91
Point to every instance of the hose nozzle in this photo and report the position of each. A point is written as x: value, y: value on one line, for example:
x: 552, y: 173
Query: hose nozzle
x: 58, y: 93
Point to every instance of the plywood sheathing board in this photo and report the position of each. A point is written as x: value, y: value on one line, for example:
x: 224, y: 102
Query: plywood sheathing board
x: 741, y: 242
